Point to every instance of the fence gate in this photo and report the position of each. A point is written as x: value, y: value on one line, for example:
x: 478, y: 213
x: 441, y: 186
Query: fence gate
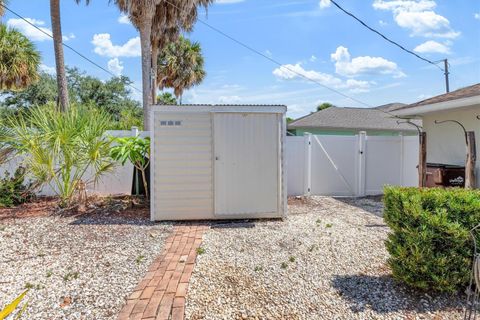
x: 357, y: 165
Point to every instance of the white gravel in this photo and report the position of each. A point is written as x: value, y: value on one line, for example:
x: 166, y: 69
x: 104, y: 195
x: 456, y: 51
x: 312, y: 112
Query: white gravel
x: 327, y: 260
x: 77, y: 268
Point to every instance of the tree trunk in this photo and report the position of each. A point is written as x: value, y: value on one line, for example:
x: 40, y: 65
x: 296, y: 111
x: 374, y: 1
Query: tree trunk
x: 155, y: 53
x: 145, y: 32
x: 59, y: 59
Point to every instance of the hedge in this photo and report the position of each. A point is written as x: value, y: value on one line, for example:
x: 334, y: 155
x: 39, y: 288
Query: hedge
x: 429, y: 244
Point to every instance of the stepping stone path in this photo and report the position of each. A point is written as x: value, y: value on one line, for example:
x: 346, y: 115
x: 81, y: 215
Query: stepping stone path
x: 161, y: 293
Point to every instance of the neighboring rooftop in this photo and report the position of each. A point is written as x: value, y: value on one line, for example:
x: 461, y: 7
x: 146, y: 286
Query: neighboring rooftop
x: 466, y: 92
x: 353, y: 118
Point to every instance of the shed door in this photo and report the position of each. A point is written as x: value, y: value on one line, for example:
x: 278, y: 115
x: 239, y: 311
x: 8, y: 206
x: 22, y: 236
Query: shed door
x: 246, y: 163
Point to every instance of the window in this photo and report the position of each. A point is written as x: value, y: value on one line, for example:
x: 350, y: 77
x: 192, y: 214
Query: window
x: 171, y: 123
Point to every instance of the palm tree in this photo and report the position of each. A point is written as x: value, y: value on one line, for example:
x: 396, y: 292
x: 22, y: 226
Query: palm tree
x: 180, y: 66
x: 146, y: 18
x: 19, y: 60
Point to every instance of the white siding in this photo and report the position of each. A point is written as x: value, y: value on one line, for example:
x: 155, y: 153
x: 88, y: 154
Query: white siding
x: 182, y: 166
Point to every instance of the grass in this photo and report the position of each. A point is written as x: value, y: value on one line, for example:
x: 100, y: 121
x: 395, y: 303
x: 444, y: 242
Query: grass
x: 70, y: 276
x: 284, y: 265
x: 49, y: 273
x: 328, y: 225
x: 201, y: 250
x: 140, y: 259
x: 291, y: 259
x: 258, y: 268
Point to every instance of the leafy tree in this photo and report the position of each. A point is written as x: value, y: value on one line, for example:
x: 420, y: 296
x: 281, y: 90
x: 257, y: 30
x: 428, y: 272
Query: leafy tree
x: 59, y: 147
x: 180, y: 66
x: 137, y: 151
x: 19, y: 60
x: 289, y: 119
x: 112, y: 96
x: 324, y: 106
x: 166, y: 98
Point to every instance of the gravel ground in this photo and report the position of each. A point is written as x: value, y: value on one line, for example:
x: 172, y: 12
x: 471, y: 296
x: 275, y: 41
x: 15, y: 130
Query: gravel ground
x: 327, y: 260
x: 76, y: 267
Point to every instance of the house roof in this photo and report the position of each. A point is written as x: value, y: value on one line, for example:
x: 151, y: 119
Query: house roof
x: 463, y: 93
x: 353, y: 118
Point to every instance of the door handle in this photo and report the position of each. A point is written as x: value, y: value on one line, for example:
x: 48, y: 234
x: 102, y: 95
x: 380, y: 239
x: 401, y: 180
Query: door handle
x: 217, y: 158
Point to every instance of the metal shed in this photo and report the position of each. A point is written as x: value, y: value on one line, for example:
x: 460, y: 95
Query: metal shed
x: 217, y: 162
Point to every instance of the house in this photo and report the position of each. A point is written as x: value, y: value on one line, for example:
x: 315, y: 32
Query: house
x: 349, y: 121
x: 446, y: 140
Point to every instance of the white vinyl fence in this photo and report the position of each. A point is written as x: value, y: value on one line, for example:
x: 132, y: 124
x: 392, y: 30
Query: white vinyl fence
x: 350, y: 165
x: 117, y: 181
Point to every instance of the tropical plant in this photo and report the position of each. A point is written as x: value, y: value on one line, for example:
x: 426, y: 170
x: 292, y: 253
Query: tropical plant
x: 151, y: 16
x: 180, y: 66
x: 166, y: 98
x: 137, y: 151
x: 19, y: 60
x: 10, y: 308
x: 61, y: 149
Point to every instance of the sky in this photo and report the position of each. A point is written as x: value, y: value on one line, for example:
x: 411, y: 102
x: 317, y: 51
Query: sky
x: 305, y: 39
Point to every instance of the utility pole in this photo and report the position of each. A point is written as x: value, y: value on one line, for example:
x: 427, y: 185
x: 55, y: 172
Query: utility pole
x: 447, y: 84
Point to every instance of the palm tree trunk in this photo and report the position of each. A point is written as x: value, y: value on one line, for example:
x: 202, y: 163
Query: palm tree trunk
x: 59, y: 59
x: 155, y: 53
x: 145, y: 43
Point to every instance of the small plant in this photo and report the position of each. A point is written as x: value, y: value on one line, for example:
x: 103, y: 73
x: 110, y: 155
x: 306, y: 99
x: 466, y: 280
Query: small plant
x: 70, y: 276
x: 284, y: 265
x: 258, y: 268
x: 13, y: 190
x: 200, y: 250
x: 429, y: 244
x: 49, y: 273
x: 291, y: 259
x: 137, y: 151
x: 318, y: 222
x: 311, y: 248
x: 140, y: 259
x: 29, y: 285
x: 328, y: 225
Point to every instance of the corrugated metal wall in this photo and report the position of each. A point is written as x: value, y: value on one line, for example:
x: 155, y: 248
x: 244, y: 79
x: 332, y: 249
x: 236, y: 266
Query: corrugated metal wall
x: 183, y: 186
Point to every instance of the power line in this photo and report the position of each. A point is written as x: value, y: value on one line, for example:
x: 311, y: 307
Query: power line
x: 385, y: 37
x: 273, y: 60
x: 66, y: 45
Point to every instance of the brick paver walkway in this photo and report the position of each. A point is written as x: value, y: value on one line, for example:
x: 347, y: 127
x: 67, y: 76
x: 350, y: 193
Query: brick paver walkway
x: 161, y: 293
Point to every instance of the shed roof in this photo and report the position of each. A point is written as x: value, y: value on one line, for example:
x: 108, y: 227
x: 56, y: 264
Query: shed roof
x: 353, y: 118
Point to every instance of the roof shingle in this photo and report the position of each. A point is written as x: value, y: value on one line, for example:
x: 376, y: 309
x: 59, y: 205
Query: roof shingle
x: 352, y: 118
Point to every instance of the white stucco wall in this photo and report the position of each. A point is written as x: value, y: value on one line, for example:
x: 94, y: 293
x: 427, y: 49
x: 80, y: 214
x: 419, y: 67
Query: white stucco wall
x: 446, y: 142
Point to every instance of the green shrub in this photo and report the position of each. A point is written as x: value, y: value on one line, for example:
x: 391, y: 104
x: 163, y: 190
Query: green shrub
x: 13, y: 189
x: 430, y: 245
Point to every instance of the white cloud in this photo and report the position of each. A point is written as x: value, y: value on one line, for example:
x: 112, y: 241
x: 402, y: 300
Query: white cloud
x: 123, y: 19
x: 296, y: 71
x: 431, y: 46
x: 115, y: 66
x: 229, y: 99
x: 29, y: 31
x: 313, y: 58
x: 325, y: 4
x: 228, y: 1
x: 104, y: 47
x: 346, y: 66
x: 47, y: 69
x: 418, y: 17
x: 268, y: 53
x: 70, y: 36
x: 477, y: 16
x: 382, y: 23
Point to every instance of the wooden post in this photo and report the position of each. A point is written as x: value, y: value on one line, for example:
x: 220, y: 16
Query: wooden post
x: 471, y: 159
x: 422, y: 160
